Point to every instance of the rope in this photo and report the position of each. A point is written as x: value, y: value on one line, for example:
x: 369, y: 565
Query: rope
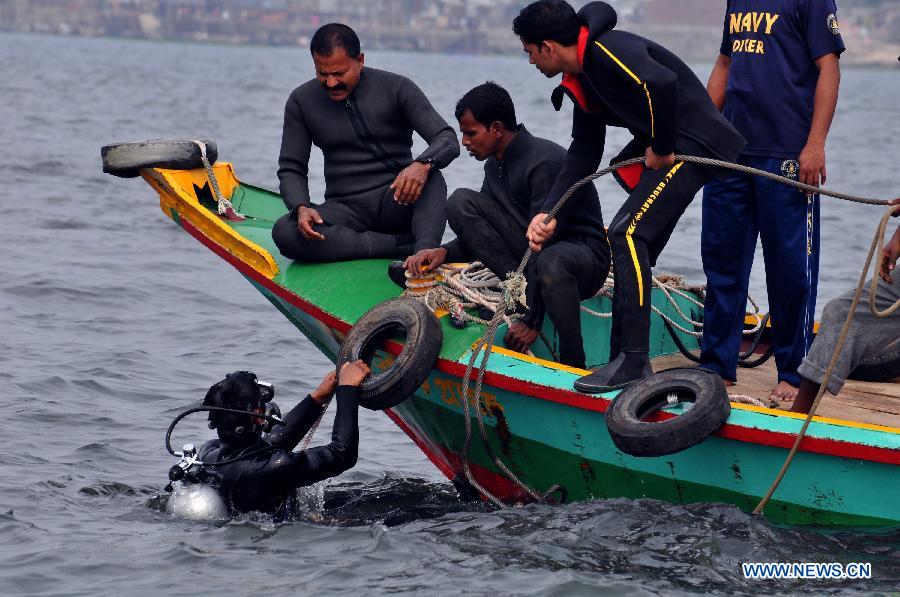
x: 812, y: 189
x: 312, y: 430
x: 877, y: 241
x: 225, y: 207
x: 456, y: 289
x: 744, y: 399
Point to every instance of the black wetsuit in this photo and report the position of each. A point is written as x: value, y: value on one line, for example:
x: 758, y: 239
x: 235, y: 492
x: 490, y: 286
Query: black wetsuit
x: 490, y: 227
x: 632, y: 82
x: 366, y: 141
x: 265, y: 482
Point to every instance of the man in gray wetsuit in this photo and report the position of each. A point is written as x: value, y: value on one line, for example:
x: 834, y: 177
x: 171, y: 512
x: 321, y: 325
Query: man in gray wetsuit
x: 871, y: 341
x: 490, y: 225
x: 379, y: 201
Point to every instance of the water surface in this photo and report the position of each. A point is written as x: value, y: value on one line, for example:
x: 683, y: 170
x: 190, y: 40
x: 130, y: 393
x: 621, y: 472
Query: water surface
x: 114, y: 320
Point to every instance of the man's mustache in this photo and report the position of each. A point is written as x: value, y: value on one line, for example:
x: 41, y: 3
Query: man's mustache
x: 339, y: 87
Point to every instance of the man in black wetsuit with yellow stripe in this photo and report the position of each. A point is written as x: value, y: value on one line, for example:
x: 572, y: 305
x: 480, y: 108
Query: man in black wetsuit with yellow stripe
x: 620, y: 79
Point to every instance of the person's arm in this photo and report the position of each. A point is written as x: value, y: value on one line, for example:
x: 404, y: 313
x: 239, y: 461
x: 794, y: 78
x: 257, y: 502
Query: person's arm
x: 650, y: 84
x: 718, y: 78
x: 442, y: 148
x: 582, y: 159
x: 293, y: 161
x: 323, y: 462
x: 286, y: 470
x: 718, y: 81
x: 812, y: 158
x: 890, y: 254
x: 891, y: 250
x: 824, y: 45
x: 302, y: 417
x: 541, y: 180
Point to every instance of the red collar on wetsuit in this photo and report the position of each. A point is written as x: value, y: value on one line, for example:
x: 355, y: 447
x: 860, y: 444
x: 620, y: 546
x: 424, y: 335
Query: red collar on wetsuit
x: 571, y: 85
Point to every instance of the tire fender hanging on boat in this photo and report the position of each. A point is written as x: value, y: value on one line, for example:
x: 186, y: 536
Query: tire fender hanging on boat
x: 634, y: 435
x: 411, y: 367
x: 877, y: 369
x: 126, y: 160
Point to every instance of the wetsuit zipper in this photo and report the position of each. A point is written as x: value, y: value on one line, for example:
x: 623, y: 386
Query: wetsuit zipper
x: 505, y: 178
x: 365, y: 135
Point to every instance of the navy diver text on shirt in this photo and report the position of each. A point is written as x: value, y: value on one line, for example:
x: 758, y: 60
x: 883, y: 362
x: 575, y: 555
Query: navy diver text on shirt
x: 773, y: 46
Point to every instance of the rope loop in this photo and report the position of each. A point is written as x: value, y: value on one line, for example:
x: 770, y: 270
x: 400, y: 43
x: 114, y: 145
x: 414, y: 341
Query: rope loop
x: 225, y: 208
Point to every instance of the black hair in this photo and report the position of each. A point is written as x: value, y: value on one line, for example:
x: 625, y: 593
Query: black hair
x: 553, y: 20
x: 489, y: 103
x: 334, y: 35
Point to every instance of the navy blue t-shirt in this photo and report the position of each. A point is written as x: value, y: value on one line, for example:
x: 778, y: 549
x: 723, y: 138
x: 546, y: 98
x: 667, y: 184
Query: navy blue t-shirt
x: 773, y: 45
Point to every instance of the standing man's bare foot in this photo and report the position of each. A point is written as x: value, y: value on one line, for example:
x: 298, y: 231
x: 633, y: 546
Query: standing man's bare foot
x: 784, y: 392
x: 728, y: 382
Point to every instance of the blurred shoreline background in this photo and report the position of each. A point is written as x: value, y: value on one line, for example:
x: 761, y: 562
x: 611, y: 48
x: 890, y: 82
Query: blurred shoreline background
x: 691, y: 28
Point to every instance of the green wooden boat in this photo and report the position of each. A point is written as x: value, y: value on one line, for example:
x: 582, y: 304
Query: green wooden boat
x: 846, y: 473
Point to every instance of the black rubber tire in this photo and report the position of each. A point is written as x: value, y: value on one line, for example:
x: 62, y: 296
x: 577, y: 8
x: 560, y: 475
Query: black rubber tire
x: 126, y: 160
x: 879, y: 371
x: 633, y: 435
x: 414, y: 363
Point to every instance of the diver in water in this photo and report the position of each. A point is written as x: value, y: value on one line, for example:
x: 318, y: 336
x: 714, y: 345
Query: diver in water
x: 256, y: 472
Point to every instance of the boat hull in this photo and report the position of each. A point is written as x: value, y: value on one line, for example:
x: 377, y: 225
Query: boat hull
x: 541, y: 429
x: 546, y: 443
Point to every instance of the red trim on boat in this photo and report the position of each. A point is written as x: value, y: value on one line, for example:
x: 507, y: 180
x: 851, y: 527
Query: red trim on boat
x: 450, y: 464
x: 818, y: 445
x: 729, y: 431
x: 419, y: 439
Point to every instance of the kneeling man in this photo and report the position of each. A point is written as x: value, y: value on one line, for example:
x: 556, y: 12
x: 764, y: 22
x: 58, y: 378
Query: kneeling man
x: 379, y: 201
x: 490, y: 225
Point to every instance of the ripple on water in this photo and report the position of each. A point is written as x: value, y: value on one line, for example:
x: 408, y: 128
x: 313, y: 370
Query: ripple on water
x: 113, y: 318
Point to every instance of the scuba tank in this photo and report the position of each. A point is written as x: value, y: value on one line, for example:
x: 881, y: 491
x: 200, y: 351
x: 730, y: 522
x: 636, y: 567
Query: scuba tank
x: 191, y: 499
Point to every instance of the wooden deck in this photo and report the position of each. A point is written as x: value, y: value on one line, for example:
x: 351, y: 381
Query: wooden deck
x: 863, y: 402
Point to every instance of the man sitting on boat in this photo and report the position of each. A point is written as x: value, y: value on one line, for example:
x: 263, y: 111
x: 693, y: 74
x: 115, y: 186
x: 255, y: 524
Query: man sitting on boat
x: 871, y: 340
x: 620, y: 79
x: 490, y: 225
x: 379, y: 201
x: 267, y: 470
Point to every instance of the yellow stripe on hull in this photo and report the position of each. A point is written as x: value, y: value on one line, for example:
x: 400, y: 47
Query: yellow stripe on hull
x: 176, y: 195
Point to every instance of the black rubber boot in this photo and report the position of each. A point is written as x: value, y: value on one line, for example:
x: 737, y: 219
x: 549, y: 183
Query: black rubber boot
x: 623, y: 371
x: 397, y: 273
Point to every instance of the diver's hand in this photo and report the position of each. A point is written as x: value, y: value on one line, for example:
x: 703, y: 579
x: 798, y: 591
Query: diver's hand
x: 409, y: 183
x: 812, y: 164
x: 326, y: 388
x: 895, y: 202
x: 353, y: 373
x: 425, y: 261
x: 891, y: 252
x: 654, y: 161
x: 538, y: 233
x: 306, y: 218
